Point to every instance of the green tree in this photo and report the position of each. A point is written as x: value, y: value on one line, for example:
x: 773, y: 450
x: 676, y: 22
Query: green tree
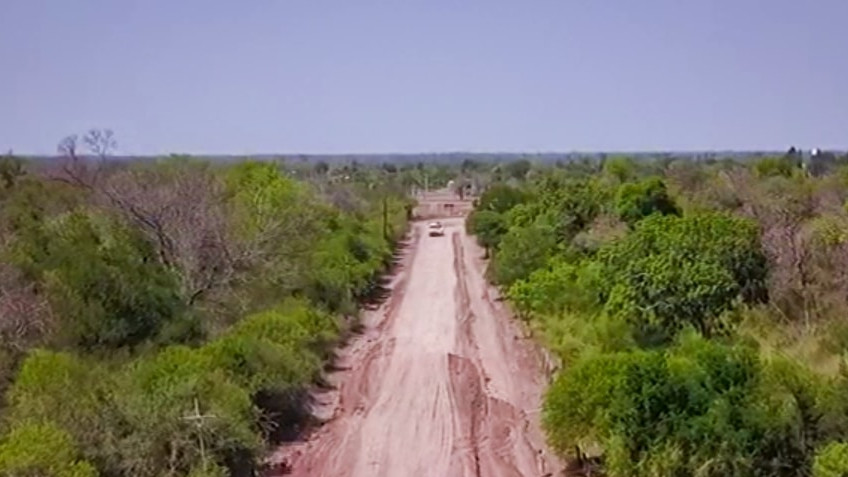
x: 25, y: 207
x: 672, y: 272
x: 515, y: 259
x: 321, y: 168
x: 731, y: 242
x: 297, y: 326
x: 663, y: 293
x: 635, y: 201
x: 620, y: 168
x: 11, y: 170
x: 469, y: 165
x: 573, y: 202
x: 500, y: 198
x: 273, y: 223
x: 102, y: 276
x: 347, y: 260
x: 489, y: 227
x: 518, y: 169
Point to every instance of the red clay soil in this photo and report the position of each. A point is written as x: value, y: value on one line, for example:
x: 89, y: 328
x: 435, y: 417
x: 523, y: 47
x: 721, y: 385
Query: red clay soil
x: 440, y: 384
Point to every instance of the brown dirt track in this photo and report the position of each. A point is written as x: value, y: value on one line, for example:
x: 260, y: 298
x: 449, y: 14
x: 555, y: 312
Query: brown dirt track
x: 440, y: 383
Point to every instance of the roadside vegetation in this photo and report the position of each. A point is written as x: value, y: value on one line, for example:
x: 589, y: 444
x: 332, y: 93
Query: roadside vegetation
x: 166, y: 318
x: 697, y: 309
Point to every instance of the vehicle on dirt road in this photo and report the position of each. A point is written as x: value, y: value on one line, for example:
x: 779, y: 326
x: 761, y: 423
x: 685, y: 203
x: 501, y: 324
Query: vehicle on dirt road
x: 436, y: 229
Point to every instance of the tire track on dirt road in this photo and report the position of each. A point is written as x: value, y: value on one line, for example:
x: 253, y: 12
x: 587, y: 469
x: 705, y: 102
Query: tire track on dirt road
x: 440, y: 384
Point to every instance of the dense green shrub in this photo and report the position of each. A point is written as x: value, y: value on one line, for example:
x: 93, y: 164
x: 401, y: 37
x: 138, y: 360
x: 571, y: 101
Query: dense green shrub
x: 70, y: 392
x: 700, y: 408
x: 831, y: 461
x: 561, y: 287
x: 302, y: 331
x: 257, y: 364
x: 173, y: 400
x: 41, y: 450
x: 346, y: 264
x: 353, y: 250
x: 573, y: 203
x: 102, y: 276
x: 140, y: 419
x: 776, y: 166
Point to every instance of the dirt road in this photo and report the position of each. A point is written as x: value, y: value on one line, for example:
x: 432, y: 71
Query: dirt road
x: 441, y: 384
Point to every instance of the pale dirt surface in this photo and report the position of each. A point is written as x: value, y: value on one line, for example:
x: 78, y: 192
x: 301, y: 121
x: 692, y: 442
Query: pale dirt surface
x: 441, y: 383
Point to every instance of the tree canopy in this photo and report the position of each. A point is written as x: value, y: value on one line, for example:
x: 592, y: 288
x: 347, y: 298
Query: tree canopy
x: 696, y: 309
x: 167, y: 317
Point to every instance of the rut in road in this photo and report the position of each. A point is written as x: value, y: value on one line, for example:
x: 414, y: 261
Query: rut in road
x: 441, y: 383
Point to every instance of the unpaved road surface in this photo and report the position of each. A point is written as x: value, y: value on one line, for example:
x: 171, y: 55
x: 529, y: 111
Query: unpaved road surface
x: 441, y: 383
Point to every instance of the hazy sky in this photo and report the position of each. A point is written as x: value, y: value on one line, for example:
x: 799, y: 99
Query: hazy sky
x: 431, y: 75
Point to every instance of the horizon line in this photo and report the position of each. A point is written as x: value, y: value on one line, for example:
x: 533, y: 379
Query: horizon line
x: 442, y: 153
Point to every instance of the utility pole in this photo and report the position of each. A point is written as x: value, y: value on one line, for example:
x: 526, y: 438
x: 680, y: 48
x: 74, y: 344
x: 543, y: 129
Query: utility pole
x: 199, y: 421
x: 385, y: 217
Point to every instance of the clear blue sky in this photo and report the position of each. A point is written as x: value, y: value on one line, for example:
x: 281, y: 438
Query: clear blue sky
x: 319, y: 76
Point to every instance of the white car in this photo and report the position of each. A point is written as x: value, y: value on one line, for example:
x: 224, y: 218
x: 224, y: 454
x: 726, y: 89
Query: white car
x: 436, y: 229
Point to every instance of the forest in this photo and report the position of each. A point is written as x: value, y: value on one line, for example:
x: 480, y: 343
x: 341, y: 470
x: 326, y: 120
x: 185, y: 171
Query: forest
x: 696, y: 309
x: 167, y: 317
